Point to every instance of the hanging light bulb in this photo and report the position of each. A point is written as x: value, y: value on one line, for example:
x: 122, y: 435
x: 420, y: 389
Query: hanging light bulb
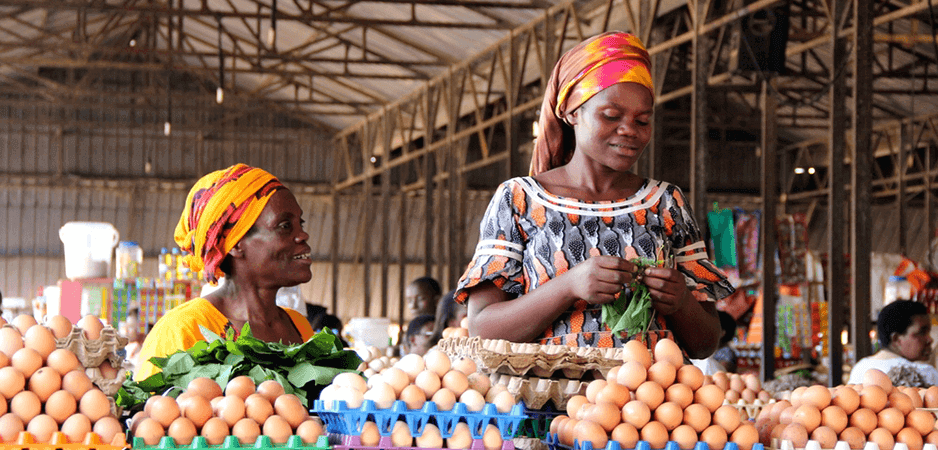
x: 219, y: 95
x: 133, y: 42
x: 272, y: 32
x: 167, y: 128
x: 271, y: 36
x: 220, y: 92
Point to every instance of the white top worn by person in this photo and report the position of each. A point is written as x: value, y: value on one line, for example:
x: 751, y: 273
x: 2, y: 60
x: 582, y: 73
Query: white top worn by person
x: 904, y: 330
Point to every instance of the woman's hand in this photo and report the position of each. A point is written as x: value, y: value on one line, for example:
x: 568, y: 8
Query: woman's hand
x: 669, y: 293
x: 598, y: 279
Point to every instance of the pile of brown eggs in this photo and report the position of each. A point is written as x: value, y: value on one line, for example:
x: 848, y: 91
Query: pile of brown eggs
x: 243, y: 410
x: 44, y: 390
x: 454, y: 332
x: 874, y: 411
x: 655, y: 400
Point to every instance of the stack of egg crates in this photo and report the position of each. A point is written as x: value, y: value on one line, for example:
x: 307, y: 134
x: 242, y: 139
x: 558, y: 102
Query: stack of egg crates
x: 553, y: 443
x: 344, y: 425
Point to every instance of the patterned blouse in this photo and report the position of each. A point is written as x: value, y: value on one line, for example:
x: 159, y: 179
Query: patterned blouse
x: 528, y: 236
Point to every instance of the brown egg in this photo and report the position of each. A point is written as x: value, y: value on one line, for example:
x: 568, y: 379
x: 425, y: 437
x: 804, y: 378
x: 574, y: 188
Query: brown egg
x: 214, y: 431
x: 44, y: 382
x: 11, y: 340
x: 398, y: 379
x: 557, y: 422
x: 587, y: 431
x: 106, y: 428
x: 491, y: 438
x: 626, y: 435
x: 63, y: 361
x: 864, y: 419
x: 876, y: 377
x: 891, y: 419
x: 853, y: 437
x: 77, y: 383
x: 619, y: 395
x: 680, y: 394
x: 430, y: 438
x: 231, y: 409
x: 691, y: 376
x: 846, y: 398
x: 182, y: 431
x: 930, y: 398
x: 91, y: 326
x: 280, y: 431
x: 917, y: 395
x: 400, y: 435
x: 11, y: 382
x: 461, y: 437
x: 684, y: 436
x: 26, y: 405
x: 241, y: 386
x: 26, y: 360
x: 655, y: 434
x: 652, y: 394
x: 930, y: 438
x: 428, y: 382
x: 731, y: 396
x: 150, y: 431
x: 270, y: 389
x: 413, y: 397
x: 882, y: 437
x: 566, y: 432
x: 75, y: 428
x: 42, y: 427
x: 873, y: 397
x: 736, y: 383
x: 59, y: 325
x: 444, y: 399
x: 668, y: 350
x: 39, y: 339
x: 824, y: 436
x: 745, y: 436
x: 632, y: 374
x: 198, y: 409
x: 901, y: 401
x: 697, y: 416
x: 727, y: 416
x: 466, y: 366
x: 911, y: 438
x: 135, y: 421
x: 817, y: 395
x: 710, y: 395
x: 23, y: 322
x: 95, y: 405
x: 10, y: 427
x: 795, y: 433
x: 593, y: 388
x: 634, y: 350
x: 61, y: 405
x: 310, y: 430
x: 291, y: 409
x: 257, y: 408
x: 108, y: 372
x: 663, y: 373
x: 606, y: 415
x: 637, y: 414
x: 921, y: 421
x: 721, y: 379
x: 206, y: 387
x: 834, y: 418
x: 669, y: 414
x: 808, y: 416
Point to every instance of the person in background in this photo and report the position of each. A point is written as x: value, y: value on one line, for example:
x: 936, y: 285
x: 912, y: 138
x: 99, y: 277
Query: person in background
x: 904, y: 330
x: 558, y: 244
x: 420, y: 335
x: 421, y: 296
x: 243, y: 224
x: 449, y: 314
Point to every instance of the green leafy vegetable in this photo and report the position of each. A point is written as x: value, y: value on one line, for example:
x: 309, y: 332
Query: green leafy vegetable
x: 631, y: 314
x: 303, y: 369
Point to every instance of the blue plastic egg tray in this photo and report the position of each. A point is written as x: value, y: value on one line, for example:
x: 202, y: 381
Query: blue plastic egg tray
x: 355, y: 443
x: 553, y: 442
x: 231, y: 443
x: 343, y: 420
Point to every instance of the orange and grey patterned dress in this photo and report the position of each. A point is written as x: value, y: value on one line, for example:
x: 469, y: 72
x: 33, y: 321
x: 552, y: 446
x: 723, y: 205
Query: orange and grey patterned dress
x: 528, y: 236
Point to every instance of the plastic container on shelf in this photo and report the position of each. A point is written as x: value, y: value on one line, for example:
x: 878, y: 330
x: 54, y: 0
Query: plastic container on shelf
x: 370, y: 331
x: 897, y: 288
x: 129, y: 257
x: 88, y: 248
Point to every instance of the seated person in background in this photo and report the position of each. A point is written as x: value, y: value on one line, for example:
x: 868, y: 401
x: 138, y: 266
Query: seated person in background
x: 243, y: 224
x: 420, y: 335
x: 904, y: 331
x: 421, y: 296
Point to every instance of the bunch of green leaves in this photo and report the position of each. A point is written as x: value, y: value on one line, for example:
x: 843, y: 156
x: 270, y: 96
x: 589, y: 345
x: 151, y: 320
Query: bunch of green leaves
x: 302, y: 369
x: 631, y: 313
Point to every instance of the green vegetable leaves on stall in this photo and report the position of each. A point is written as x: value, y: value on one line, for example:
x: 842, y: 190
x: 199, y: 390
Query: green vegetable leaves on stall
x: 631, y: 314
x: 303, y: 369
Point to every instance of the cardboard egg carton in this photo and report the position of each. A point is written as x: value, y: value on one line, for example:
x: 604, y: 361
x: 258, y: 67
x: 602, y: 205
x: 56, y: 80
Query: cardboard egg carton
x: 536, y: 392
x: 93, y: 352
x: 528, y: 359
x: 109, y: 386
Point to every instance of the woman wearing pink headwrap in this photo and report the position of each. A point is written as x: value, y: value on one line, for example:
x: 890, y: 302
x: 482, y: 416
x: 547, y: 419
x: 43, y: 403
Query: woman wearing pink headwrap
x: 556, y: 245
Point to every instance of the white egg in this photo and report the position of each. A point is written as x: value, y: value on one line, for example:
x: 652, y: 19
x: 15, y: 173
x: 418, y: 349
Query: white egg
x: 382, y: 394
x: 473, y: 400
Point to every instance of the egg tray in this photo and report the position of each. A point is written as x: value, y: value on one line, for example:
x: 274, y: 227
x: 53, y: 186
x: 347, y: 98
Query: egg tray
x: 537, y: 392
x: 553, y: 443
x: 840, y: 445
x: 501, y: 356
x: 528, y: 443
x: 750, y: 410
x: 345, y: 442
x: 231, y: 442
x: 342, y: 420
x: 93, y: 352
x: 92, y: 441
x: 109, y: 386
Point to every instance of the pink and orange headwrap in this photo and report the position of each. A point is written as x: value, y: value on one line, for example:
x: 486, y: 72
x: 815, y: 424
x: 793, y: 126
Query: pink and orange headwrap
x: 219, y: 211
x: 582, y: 72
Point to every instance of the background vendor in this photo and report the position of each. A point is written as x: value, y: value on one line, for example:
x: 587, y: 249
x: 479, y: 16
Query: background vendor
x: 904, y: 330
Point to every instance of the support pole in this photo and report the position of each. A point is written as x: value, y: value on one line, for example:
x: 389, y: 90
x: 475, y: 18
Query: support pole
x: 769, y: 242
x: 836, y: 196
x: 860, y: 195
x: 698, y: 124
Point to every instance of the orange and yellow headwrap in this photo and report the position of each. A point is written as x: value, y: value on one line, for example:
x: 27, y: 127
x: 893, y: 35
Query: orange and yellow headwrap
x: 582, y: 72
x: 219, y: 211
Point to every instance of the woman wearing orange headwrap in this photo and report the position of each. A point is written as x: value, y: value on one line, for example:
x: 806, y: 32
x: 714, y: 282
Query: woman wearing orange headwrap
x: 242, y: 223
x: 573, y: 226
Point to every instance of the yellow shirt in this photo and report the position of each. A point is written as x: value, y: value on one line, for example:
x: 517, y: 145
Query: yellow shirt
x: 179, y: 330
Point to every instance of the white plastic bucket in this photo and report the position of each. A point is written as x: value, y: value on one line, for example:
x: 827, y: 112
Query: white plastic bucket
x: 88, y: 248
x: 370, y: 331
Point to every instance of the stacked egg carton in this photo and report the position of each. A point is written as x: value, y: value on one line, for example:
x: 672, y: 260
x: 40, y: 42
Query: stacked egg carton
x: 61, y: 442
x: 100, y: 358
x: 554, y: 444
x: 527, y: 359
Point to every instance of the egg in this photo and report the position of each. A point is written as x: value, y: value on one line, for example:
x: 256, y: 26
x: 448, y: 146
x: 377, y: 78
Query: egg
x: 26, y: 360
x: 396, y: 378
x: 205, y: 387
x: 106, y: 428
x: 882, y: 437
x: 461, y: 437
x: 291, y: 409
x: 39, y: 339
x: 566, y: 432
x: 671, y: 415
x: 505, y: 401
x: 455, y: 381
x: 246, y: 430
x: 930, y: 399
x: 663, y: 373
x: 11, y: 382
x: 369, y: 437
x: 214, y: 431
x: 824, y: 436
x: 697, y: 416
x: 280, y: 431
x: 492, y: 392
x: 680, y: 394
x: 900, y: 401
x: 430, y: 437
x: 854, y: 438
x: 715, y: 436
x: 921, y: 421
x: 257, y: 408
x: 60, y: 405
x: 76, y: 427
x: 437, y: 362
x: 911, y: 438
x: 653, y: 395
x: 466, y: 366
x: 606, y: 415
x: 876, y: 377
x: 270, y: 389
x: 428, y: 382
x: 721, y: 379
x: 691, y: 376
x: 182, y: 430
x: 834, y: 418
x: 846, y: 398
x: 91, y: 325
x: 637, y: 414
x: 11, y: 340
x: 808, y: 416
x: 444, y: 399
x: 793, y: 432
x: 818, y: 396
x: 230, y: 409
x: 479, y: 383
x: 150, y: 431
x: 44, y: 382
x: 491, y: 438
x: 23, y: 322
x: 745, y: 436
x: 612, y: 374
x: 59, y: 325
x: 655, y: 434
x: 864, y: 419
x: 710, y: 396
x: 635, y: 350
x: 42, y: 427
x: 891, y: 419
x: 400, y: 434
x: 135, y: 421
x: 196, y: 408
x: 626, y: 435
x: 26, y: 405
x: 382, y: 394
x: 727, y: 417
x: 77, y: 383
x: 556, y: 422
x: 684, y: 436
x: 414, y: 397
x: 632, y: 374
x: 411, y: 364
x: 930, y: 438
x: 736, y: 383
x: 240, y: 386
x: 10, y: 427
x: 473, y: 400
x: 587, y: 431
x: 63, y: 361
